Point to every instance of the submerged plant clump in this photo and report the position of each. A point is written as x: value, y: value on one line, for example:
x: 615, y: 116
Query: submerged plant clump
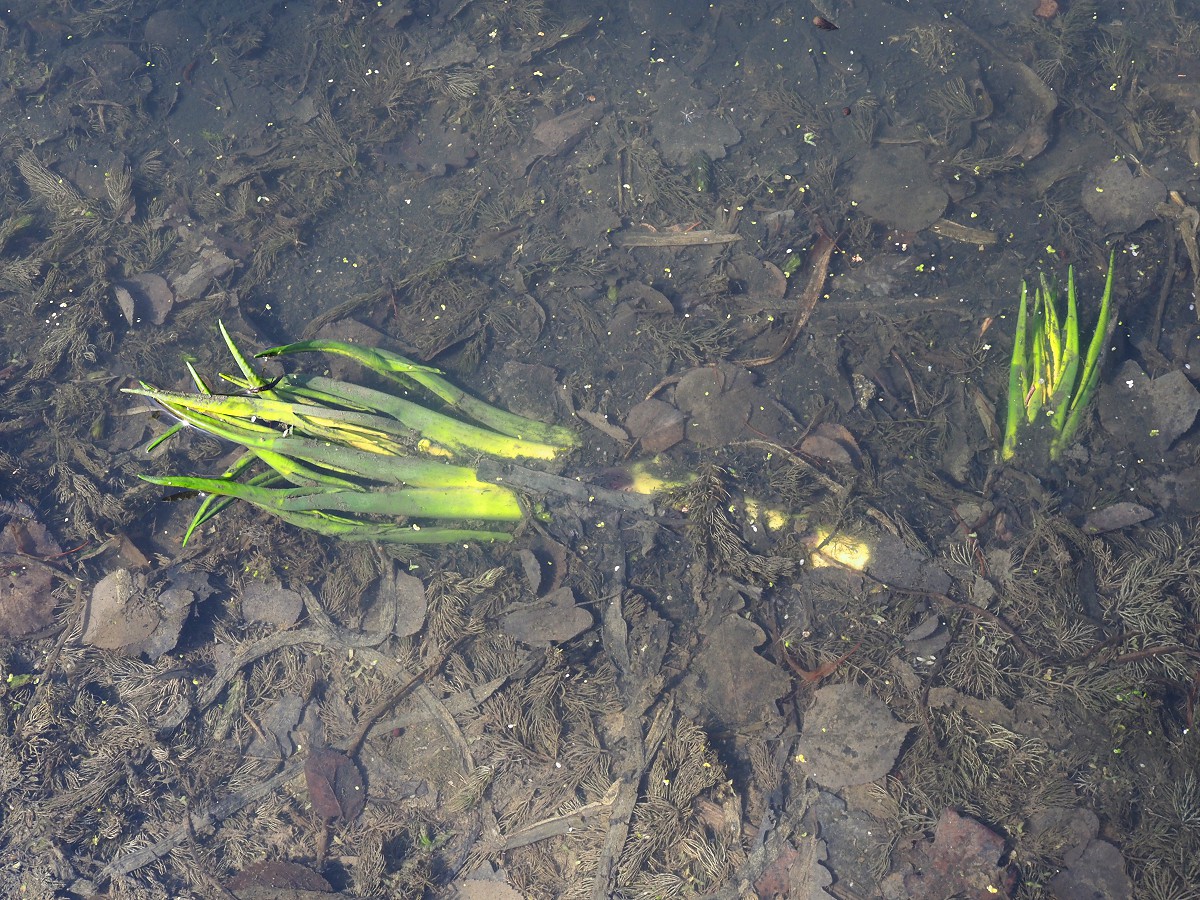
x: 1049, y: 385
x: 350, y: 461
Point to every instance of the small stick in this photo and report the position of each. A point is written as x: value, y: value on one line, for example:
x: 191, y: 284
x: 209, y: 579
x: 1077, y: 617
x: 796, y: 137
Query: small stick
x: 702, y: 238
x: 821, y: 253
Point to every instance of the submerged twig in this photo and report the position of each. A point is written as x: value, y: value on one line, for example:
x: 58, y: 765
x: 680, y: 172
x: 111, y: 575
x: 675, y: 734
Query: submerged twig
x: 822, y: 252
x: 563, y: 823
x: 698, y: 238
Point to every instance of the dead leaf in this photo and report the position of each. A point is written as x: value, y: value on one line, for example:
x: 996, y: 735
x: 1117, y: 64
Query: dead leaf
x: 645, y: 300
x: 553, y: 619
x: 849, y: 737
x: 544, y: 564
x: 601, y: 423
x: 655, y: 424
x: 829, y: 450
x: 797, y: 873
x: 1046, y: 9
x: 126, y: 303
x: 761, y: 284
x: 26, y: 604
x: 737, y: 684
x: 962, y: 861
x: 556, y: 136
x: 531, y: 567
x: 717, y: 400
x: 28, y: 536
x: 840, y: 435
x: 335, y: 785
x: 724, y: 405
x: 563, y: 131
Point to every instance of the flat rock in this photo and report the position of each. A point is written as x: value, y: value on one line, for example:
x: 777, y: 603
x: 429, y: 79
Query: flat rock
x: 893, y: 185
x: 1099, y: 872
x: 1146, y: 414
x: 687, y: 122
x: 270, y: 602
x: 126, y: 614
x: 1119, y: 200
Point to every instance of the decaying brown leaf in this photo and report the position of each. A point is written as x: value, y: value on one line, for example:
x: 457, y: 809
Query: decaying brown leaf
x: 655, y: 424
x: 849, y: 737
x: 962, y: 861
x: 335, y: 785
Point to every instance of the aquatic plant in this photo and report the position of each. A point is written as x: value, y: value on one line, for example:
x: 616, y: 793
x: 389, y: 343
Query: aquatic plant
x: 1050, y: 386
x: 355, y: 462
